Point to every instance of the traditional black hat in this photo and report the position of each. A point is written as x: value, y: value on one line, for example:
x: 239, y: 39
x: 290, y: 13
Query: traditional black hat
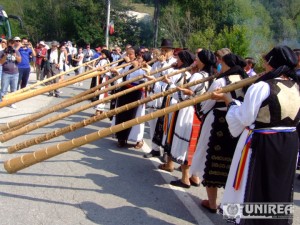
x: 108, y: 54
x: 147, y: 56
x: 166, y: 43
x: 207, y: 57
x: 281, y: 55
x: 186, y: 57
x: 209, y: 60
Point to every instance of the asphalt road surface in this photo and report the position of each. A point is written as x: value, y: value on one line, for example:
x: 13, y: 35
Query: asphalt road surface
x: 97, y: 183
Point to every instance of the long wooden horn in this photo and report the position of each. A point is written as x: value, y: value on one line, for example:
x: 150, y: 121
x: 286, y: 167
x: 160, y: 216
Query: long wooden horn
x: 52, y: 87
x: 110, y: 113
x: 18, y: 163
x: 107, y: 67
x: 66, y: 103
x: 8, y: 136
x: 71, y: 80
x: 47, y: 80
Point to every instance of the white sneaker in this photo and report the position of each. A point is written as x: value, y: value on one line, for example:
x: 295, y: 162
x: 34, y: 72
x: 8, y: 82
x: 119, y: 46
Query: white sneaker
x: 13, y: 106
x: 80, y: 84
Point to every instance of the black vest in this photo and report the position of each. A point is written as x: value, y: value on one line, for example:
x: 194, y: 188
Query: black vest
x: 282, y: 107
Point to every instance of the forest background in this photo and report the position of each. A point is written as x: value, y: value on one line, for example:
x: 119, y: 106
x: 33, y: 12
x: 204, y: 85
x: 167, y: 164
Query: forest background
x: 247, y: 27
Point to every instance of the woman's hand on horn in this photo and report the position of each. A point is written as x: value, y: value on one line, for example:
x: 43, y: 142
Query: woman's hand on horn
x: 185, y: 91
x: 100, y: 68
x: 167, y: 79
x: 114, y: 71
x: 218, y: 96
x: 126, y: 58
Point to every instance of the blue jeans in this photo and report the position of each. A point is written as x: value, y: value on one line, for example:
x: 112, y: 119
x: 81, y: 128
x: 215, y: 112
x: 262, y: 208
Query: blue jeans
x: 9, y: 80
x: 23, y: 77
x: 0, y: 75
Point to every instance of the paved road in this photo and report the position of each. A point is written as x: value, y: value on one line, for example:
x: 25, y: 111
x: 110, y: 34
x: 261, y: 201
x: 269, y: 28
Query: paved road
x: 97, y: 183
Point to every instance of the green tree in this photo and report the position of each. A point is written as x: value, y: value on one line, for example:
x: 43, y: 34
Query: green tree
x: 235, y: 39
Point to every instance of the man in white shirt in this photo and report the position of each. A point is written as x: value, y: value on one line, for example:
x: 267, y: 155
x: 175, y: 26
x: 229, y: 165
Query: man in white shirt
x: 52, y: 66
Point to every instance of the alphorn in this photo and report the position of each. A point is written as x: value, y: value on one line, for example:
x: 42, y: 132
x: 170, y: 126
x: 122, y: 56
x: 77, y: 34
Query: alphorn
x: 61, y: 105
x: 110, y: 113
x: 52, y: 87
x: 8, y: 136
x: 18, y: 163
x: 46, y: 80
x: 66, y: 103
x: 13, y: 94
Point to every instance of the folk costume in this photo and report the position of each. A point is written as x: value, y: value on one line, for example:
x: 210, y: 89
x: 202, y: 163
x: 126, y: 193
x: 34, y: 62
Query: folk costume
x: 264, y: 162
x: 136, y: 132
x: 165, y: 125
x: 156, y: 125
x: 216, y: 146
x: 102, y: 79
x: 188, y: 123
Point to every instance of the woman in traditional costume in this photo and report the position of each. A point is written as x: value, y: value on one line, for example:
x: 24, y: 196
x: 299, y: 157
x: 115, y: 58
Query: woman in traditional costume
x: 264, y: 162
x: 165, y: 126
x: 135, y: 133
x: 216, y: 146
x: 188, y: 123
x: 101, y: 66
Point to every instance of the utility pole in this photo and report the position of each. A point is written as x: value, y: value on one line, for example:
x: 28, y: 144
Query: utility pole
x: 107, y: 24
x: 156, y: 21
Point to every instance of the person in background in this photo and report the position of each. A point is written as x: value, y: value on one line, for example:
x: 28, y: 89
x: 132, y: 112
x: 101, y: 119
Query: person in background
x: 26, y: 50
x: 52, y: 65
x: 74, y: 51
x: 88, y: 54
x: 116, y: 54
x: 96, y: 56
x: 78, y: 60
x: 41, y: 53
x: 2, y: 47
x: 63, y: 60
x: 9, y: 58
x: 219, y: 55
x: 249, y: 68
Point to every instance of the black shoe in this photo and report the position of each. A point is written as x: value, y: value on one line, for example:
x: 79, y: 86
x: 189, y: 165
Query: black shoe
x: 50, y: 94
x: 151, y: 154
x: 193, y: 183
x: 57, y: 95
x: 178, y: 183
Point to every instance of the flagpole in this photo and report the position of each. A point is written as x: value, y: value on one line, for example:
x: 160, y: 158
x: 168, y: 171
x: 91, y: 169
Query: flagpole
x: 107, y: 24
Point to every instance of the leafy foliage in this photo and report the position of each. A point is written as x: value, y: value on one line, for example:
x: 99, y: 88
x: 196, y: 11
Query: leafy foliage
x: 248, y: 27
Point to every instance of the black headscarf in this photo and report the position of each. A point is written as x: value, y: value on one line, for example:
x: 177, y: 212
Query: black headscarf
x: 236, y: 64
x: 209, y: 60
x: 283, y: 60
x: 187, y: 58
x: 108, y: 54
x: 147, y: 56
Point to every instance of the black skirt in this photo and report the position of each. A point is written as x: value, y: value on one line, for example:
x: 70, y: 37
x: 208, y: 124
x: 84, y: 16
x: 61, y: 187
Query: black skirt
x: 220, y: 151
x: 272, y: 171
x: 129, y: 114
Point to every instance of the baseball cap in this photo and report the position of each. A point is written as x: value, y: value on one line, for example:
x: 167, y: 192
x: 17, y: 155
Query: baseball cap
x: 17, y: 39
